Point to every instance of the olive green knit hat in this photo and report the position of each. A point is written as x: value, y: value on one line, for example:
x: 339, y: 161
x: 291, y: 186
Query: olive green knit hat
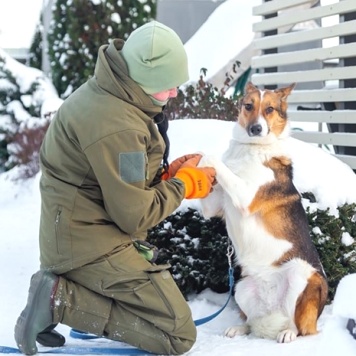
x: 156, y: 58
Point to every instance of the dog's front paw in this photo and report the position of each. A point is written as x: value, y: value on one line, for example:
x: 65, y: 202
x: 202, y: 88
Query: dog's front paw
x: 208, y: 161
x: 237, y: 330
x: 286, y: 336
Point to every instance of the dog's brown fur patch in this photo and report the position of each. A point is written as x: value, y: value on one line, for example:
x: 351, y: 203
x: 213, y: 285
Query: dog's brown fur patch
x: 272, y: 200
x: 310, y: 305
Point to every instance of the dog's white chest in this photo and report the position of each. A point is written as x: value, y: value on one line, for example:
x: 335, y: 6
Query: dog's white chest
x: 255, y: 246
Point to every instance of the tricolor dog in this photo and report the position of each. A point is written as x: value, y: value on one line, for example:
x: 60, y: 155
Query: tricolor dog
x: 283, y: 288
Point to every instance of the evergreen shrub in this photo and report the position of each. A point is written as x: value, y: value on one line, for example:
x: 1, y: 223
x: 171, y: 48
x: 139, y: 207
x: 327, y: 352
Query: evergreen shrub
x: 35, y: 52
x: 196, y: 249
x: 80, y: 27
x: 335, y: 240
x: 21, y: 126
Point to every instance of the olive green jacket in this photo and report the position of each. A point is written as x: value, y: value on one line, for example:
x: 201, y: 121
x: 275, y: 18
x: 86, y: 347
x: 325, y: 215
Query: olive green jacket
x: 99, y: 163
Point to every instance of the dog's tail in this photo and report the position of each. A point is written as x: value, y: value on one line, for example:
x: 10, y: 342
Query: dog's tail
x: 269, y: 326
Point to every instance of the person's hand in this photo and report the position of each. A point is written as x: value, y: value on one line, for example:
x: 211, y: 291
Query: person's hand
x: 176, y: 164
x: 198, y: 182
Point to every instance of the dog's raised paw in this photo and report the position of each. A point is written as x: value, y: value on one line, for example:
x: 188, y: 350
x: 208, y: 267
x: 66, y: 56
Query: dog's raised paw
x: 286, y: 336
x: 208, y: 161
x: 237, y: 330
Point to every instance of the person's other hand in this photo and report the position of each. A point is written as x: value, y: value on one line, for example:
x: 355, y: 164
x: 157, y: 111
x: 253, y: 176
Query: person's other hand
x: 198, y: 181
x: 176, y: 164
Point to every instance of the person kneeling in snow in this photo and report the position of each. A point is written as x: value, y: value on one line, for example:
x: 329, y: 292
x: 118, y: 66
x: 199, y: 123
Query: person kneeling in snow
x: 101, y: 190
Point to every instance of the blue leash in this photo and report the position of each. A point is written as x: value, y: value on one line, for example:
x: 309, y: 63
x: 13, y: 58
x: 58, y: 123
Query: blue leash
x: 76, y: 334
x: 79, y: 350
x: 231, y: 285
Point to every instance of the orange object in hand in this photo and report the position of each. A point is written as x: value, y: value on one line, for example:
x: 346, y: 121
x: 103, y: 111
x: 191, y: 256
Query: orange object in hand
x: 198, y: 182
x: 176, y: 164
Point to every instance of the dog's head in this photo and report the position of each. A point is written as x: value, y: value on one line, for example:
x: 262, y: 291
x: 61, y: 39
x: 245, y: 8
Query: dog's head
x: 263, y: 114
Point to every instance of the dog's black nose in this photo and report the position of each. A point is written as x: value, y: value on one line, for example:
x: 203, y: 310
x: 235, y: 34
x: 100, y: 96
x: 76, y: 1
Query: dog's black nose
x: 255, y: 130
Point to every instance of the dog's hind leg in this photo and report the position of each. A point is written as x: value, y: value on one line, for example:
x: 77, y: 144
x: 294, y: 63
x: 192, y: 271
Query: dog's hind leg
x: 310, y: 304
x: 287, y: 335
x: 241, y: 329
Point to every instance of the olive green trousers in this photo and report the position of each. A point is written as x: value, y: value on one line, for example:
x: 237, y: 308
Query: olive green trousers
x: 124, y: 297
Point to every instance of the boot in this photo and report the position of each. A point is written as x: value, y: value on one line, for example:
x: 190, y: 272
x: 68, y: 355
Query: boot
x: 351, y: 327
x: 50, y: 337
x: 37, y: 315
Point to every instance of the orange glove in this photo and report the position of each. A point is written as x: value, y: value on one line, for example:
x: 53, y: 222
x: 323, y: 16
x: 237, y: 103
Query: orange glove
x: 176, y: 164
x: 198, y: 182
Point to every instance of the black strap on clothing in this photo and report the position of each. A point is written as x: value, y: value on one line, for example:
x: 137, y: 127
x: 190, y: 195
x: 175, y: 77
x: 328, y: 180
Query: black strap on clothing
x: 162, y: 122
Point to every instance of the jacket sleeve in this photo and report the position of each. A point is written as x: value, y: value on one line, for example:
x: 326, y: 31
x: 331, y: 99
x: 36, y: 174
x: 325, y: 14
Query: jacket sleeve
x: 120, y: 163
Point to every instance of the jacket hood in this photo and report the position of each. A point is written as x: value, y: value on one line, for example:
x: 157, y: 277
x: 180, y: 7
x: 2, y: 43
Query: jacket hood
x: 111, y: 74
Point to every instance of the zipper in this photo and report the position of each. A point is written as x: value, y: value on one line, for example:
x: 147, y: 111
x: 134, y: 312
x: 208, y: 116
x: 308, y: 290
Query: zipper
x: 56, y: 226
x: 146, y: 168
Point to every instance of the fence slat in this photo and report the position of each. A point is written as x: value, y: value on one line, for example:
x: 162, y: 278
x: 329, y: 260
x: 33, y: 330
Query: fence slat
x: 305, y: 76
x: 304, y: 15
x: 276, y: 5
x: 303, y: 56
x: 296, y: 37
x: 322, y: 96
x: 330, y: 117
x: 336, y: 138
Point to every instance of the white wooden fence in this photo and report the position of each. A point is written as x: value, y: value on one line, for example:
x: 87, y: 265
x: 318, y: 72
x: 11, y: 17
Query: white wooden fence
x: 284, y: 49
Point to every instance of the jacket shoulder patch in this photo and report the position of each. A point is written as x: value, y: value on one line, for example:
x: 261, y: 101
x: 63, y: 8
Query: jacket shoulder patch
x: 132, y: 166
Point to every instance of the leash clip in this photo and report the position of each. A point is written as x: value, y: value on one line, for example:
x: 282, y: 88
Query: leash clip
x: 230, y: 252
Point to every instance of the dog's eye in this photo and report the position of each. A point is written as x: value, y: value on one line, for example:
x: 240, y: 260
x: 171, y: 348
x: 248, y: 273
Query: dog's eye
x: 248, y: 107
x: 269, y: 110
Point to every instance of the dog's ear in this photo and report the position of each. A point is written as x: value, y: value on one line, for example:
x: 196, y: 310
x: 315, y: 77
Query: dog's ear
x: 250, y: 87
x: 284, y: 92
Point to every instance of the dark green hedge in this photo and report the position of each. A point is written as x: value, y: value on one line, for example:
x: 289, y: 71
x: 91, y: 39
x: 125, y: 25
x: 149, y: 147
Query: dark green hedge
x: 326, y: 232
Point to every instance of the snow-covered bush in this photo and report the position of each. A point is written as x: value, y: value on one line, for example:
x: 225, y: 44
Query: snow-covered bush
x: 196, y: 249
x: 334, y: 238
x: 23, y: 90
x: 80, y: 27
